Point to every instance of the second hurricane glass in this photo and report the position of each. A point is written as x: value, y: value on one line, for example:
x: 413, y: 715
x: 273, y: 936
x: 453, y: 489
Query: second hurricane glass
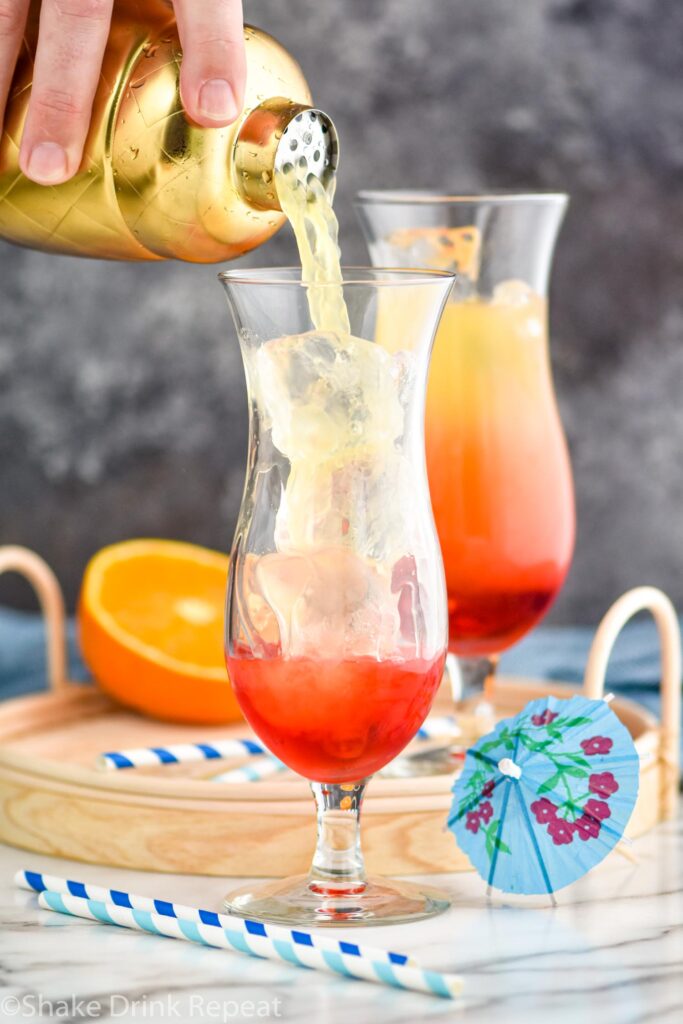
x: 336, y: 613
x: 499, y: 471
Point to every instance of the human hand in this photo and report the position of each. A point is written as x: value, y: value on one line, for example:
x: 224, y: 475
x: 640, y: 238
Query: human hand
x: 71, y: 41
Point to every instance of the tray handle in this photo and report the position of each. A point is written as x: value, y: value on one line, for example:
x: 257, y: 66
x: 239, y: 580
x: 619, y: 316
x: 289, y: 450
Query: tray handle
x: 41, y: 577
x: 658, y: 604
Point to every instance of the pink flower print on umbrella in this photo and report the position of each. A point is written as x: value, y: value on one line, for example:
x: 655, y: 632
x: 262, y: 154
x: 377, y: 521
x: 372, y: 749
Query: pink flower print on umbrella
x: 561, y: 832
x: 544, y: 810
x: 545, y: 718
x: 486, y: 811
x: 597, y: 809
x: 596, y: 745
x: 603, y: 784
x: 587, y: 828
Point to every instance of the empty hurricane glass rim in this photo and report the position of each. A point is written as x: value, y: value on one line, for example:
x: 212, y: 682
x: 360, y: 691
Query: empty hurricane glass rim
x: 425, y: 195
x: 373, y: 276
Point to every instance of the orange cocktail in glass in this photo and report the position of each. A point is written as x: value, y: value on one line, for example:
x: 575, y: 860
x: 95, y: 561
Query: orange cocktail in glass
x: 499, y: 473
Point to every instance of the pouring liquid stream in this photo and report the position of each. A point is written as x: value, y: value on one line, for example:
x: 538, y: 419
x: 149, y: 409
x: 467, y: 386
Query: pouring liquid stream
x: 307, y: 203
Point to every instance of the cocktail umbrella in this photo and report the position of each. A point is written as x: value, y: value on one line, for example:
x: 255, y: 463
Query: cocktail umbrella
x: 544, y: 797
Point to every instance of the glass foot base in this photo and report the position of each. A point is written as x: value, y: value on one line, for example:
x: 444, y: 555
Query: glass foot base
x: 437, y: 761
x: 304, y: 901
x: 474, y: 721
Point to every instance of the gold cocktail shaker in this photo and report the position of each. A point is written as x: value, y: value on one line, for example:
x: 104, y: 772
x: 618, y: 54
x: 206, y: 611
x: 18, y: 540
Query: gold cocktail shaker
x: 152, y: 185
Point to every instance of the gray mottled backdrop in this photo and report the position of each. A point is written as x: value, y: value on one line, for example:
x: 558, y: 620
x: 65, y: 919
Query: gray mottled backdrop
x: 122, y: 409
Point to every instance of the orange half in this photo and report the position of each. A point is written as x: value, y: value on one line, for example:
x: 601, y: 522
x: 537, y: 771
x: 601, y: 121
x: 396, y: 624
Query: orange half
x: 151, y: 629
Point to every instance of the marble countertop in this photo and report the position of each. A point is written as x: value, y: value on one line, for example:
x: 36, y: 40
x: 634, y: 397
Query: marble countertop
x: 612, y: 951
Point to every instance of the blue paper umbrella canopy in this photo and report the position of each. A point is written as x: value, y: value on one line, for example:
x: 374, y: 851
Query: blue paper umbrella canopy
x: 546, y: 795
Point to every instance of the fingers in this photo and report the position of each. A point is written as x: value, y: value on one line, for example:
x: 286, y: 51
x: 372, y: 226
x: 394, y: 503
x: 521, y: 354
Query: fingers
x: 71, y: 42
x: 213, y: 70
x: 12, y: 23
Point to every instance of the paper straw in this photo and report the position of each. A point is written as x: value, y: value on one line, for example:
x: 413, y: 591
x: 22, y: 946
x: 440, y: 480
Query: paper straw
x: 38, y: 882
x: 436, y: 726
x: 447, y: 986
x: 179, y: 753
x: 258, y: 768
x: 184, y: 753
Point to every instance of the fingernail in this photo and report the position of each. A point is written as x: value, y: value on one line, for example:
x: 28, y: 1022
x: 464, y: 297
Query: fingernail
x: 47, y: 163
x: 217, y: 100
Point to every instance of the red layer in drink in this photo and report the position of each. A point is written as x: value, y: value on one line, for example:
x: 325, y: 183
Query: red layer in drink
x: 335, y: 720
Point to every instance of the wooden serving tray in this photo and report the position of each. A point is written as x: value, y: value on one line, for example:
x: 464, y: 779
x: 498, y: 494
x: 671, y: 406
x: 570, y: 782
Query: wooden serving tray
x: 170, y: 818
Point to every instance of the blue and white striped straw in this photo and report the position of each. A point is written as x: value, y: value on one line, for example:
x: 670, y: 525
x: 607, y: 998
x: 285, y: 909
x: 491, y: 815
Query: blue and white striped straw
x: 437, y: 726
x: 258, y: 768
x: 179, y: 753
x: 184, y: 753
x: 347, y: 960
x: 448, y: 986
x: 36, y: 881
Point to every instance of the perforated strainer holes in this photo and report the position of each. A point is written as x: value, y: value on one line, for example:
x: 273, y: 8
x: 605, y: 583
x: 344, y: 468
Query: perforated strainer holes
x: 309, y: 144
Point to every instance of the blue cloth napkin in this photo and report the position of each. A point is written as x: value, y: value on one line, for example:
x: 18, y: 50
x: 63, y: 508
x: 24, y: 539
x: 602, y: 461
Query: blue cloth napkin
x: 22, y: 654
x: 561, y: 652
x: 550, y: 652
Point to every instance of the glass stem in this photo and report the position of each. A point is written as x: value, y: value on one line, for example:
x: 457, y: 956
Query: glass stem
x: 471, y: 677
x: 472, y: 683
x: 338, y: 861
x: 477, y: 677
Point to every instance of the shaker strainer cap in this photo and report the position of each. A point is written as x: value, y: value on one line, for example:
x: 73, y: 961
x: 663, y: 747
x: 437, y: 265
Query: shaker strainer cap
x: 309, y: 142
x: 277, y: 135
